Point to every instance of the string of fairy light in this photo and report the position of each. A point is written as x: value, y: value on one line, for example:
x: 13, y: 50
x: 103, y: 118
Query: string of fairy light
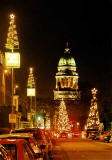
x: 63, y: 124
x: 31, y: 81
x: 93, y: 117
x: 12, y: 38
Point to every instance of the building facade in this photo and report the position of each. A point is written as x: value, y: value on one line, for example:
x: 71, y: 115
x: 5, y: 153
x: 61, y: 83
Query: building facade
x: 5, y: 82
x: 2, y: 79
x: 66, y: 78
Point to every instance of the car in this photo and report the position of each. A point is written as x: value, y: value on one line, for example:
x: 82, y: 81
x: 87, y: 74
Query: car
x: 4, y: 154
x: 107, y: 138
x: 19, y: 149
x: 92, y: 136
x: 111, y: 139
x: 28, y: 137
x: 40, y: 137
x: 49, y: 140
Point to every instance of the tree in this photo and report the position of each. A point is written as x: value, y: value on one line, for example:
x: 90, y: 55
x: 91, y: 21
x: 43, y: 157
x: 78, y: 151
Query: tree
x: 93, y: 121
x: 12, y: 38
x: 63, y: 124
x: 31, y: 81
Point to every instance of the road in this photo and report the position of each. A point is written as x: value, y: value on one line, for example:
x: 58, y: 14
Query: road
x: 78, y: 149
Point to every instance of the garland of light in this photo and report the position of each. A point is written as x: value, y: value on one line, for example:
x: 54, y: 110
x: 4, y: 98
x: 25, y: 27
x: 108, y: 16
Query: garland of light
x: 93, y: 121
x: 63, y: 124
x: 12, y: 38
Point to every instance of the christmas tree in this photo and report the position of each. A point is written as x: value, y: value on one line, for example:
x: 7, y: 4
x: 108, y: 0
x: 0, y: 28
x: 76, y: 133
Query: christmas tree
x: 31, y: 81
x: 93, y: 121
x: 63, y: 124
x: 31, y: 92
x: 12, y: 38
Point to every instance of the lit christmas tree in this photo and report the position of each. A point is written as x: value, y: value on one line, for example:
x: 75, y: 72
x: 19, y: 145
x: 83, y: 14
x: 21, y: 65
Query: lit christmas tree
x: 12, y: 38
x: 31, y: 81
x: 31, y: 92
x: 93, y: 121
x: 63, y: 124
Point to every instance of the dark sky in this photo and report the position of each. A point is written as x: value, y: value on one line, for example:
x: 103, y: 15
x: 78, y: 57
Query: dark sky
x: 44, y: 27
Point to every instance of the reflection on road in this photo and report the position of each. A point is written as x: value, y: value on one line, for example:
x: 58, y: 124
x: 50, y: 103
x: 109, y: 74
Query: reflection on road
x: 78, y: 149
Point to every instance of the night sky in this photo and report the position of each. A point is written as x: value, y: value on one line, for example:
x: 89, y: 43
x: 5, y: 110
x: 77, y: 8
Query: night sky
x: 44, y: 27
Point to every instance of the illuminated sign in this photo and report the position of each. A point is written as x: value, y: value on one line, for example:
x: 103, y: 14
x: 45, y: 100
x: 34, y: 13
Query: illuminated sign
x: 30, y: 91
x: 12, y: 118
x: 12, y: 60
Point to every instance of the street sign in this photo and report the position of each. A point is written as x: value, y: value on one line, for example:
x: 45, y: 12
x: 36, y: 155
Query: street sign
x: 31, y: 92
x: 12, y: 60
x: 12, y: 118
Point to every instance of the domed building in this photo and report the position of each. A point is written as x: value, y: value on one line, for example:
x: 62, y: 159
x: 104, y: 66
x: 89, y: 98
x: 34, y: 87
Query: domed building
x: 66, y: 78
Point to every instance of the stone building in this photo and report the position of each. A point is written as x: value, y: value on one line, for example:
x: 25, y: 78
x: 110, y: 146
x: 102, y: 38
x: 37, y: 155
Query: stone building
x: 66, y: 78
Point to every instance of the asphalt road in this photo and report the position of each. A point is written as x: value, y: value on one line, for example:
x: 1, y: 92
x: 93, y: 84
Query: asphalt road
x: 78, y: 149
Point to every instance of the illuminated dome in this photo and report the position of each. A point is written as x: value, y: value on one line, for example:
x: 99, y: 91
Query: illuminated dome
x: 67, y: 59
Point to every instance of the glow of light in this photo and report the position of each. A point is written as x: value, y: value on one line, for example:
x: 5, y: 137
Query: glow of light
x: 5, y: 71
x: 94, y: 91
x: 31, y: 69
x: 38, y: 118
x: 12, y: 16
x: 31, y: 92
x: 16, y: 86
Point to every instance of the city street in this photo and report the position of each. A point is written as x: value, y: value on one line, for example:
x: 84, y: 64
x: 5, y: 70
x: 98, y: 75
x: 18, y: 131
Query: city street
x: 78, y: 149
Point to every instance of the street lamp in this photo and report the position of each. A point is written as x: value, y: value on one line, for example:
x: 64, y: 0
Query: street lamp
x: 16, y: 87
x: 31, y: 90
x: 78, y: 125
x: 4, y: 83
x: 12, y: 58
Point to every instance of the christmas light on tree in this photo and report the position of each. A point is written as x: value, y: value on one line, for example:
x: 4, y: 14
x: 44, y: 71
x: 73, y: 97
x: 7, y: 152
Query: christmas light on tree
x: 63, y: 124
x: 12, y: 58
x: 31, y: 81
x: 12, y: 38
x: 93, y: 121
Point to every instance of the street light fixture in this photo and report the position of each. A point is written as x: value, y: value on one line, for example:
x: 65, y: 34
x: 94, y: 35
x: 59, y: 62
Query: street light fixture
x: 16, y: 87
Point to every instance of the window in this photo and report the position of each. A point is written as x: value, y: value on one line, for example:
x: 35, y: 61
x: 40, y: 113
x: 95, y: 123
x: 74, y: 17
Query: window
x: 12, y: 150
x: 28, y: 154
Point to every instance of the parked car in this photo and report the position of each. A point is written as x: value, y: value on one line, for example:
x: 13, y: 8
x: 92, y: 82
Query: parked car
x: 49, y: 140
x: 92, y: 136
x: 19, y: 149
x: 4, y: 154
x: 95, y: 136
x: 107, y: 138
x: 40, y: 138
x: 28, y: 137
x: 111, y: 139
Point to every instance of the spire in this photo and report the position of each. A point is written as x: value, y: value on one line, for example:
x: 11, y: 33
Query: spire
x: 12, y: 38
x: 67, y: 50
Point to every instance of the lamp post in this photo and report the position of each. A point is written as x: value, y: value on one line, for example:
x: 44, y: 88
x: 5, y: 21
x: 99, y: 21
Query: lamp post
x: 31, y: 91
x: 4, y: 81
x: 15, y: 88
x: 12, y: 60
